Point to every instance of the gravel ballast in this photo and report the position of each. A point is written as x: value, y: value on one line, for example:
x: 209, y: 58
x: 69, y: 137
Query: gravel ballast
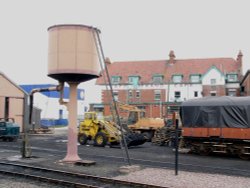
x: 167, y: 178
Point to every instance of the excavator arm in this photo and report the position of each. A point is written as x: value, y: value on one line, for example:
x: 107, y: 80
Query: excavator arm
x: 128, y: 107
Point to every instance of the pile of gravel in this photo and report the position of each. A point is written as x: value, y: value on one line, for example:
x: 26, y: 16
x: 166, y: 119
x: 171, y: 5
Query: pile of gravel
x: 167, y: 178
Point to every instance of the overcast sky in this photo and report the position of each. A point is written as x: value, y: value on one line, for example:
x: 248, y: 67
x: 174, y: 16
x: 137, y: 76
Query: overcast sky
x: 131, y: 30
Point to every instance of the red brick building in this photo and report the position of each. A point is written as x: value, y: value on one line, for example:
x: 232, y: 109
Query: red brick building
x: 158, y: 86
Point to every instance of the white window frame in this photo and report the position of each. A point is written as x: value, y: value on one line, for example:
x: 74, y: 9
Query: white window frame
x: 196, y: 94
x: 157, y: 79
x: 213, y: 81
x: 115, y: 79
x: 157, y: 95
x: 232, y: 77
x: 179, y: 96
x: 177, y: 78
x: 195, y: 78
x: 131, y: 80
x: 130, y: 94
x: 138, y: 94
x: 115, y: 95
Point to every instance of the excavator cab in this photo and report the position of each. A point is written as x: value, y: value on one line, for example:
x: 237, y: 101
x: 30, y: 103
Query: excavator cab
x: 135, y: 116
x: 138, y: 122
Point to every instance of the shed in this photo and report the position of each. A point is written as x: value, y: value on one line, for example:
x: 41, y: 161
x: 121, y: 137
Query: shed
x: 13, y: 101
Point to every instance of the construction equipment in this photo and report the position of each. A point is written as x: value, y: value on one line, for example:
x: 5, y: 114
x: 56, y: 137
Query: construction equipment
x: 166, y: 134
x: 9, y: 130
x: 137, y: 122
x: 105, y: 132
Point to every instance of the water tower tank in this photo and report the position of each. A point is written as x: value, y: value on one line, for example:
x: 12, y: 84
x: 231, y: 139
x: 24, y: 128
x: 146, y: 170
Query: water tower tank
x: 73, y: 55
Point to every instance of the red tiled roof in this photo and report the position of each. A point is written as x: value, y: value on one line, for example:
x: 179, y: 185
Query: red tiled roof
x: 186, y: 67
x: 200, y: 66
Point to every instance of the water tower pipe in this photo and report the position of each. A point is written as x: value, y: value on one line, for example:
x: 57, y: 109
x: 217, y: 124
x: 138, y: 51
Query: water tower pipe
x: 61, y: 101
x: 56, y: 88
x: 26, y: 151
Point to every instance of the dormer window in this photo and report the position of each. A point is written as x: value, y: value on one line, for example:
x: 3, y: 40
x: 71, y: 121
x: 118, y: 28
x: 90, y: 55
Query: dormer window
x: 115, y: 79
x: 157, y: 79
x: 232, y: 77
x: 133, y: 80
x: 177, y: 78
x: 195, y: 78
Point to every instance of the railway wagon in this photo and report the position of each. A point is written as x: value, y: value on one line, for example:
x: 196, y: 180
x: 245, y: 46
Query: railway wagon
x: 217, y: 124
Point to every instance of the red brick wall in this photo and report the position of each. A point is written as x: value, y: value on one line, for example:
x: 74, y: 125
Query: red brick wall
x: 153, y: 107
x: 220, y: 90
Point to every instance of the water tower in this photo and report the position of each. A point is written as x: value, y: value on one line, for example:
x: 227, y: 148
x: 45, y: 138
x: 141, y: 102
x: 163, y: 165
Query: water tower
x: 72, y: 58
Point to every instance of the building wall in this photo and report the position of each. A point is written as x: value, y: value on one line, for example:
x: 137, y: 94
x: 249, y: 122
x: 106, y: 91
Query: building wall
x: 215, y: 74
x: 247, y: 87
x: 246, y: 84
x: 16, y: 101
x: 217, y: 90
x: 212, y: 80
x: 50, y: 107
x: 186, y: 90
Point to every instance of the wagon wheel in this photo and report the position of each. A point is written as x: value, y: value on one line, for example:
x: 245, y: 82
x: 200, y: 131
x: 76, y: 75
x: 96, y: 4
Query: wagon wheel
x: 243, y: 156
x: 82, y: 139
x: 205, y: 151
x: 100, y: 139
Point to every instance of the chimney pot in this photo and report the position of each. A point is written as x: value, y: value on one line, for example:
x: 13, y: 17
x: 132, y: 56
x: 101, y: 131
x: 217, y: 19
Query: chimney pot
x: 171, y: 57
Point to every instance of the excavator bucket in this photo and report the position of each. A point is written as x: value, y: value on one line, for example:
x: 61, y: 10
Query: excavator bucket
x: 135, y: 139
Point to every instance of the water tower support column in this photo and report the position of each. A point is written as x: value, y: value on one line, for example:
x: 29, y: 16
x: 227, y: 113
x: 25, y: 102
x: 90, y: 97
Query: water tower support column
x: 72, y: 150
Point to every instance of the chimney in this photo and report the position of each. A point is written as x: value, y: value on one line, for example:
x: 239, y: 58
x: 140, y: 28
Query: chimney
x: 239, y: 57
x: 107, y: 61
x: 171, y: 57
x: 239, y: 61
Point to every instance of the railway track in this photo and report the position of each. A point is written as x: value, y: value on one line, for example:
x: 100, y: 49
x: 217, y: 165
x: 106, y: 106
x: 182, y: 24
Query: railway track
x: 195, y: 167
x: 65, y: 178
x: 239, y: 168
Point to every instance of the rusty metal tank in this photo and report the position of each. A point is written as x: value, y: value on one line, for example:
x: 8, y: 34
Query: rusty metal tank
x: 72, y: 54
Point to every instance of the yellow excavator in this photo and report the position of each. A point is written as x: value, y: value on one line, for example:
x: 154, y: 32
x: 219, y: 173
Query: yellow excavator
x: 137, y: 122
x: 104, y: 133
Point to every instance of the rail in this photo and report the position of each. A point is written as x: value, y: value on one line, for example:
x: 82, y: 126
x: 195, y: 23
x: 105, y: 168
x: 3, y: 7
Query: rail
x: 65, y: 178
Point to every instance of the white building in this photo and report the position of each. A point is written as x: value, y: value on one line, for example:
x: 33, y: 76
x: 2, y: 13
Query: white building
x: 48, y: 102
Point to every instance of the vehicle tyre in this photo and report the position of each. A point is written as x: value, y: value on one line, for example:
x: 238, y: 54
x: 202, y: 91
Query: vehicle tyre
x: 148, y: 135
x: 82, y: 139
x: 100, y: 139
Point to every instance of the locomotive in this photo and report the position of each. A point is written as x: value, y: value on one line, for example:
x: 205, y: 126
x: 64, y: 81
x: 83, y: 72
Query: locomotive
x: 9, y: 130
x: 217, y: 124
